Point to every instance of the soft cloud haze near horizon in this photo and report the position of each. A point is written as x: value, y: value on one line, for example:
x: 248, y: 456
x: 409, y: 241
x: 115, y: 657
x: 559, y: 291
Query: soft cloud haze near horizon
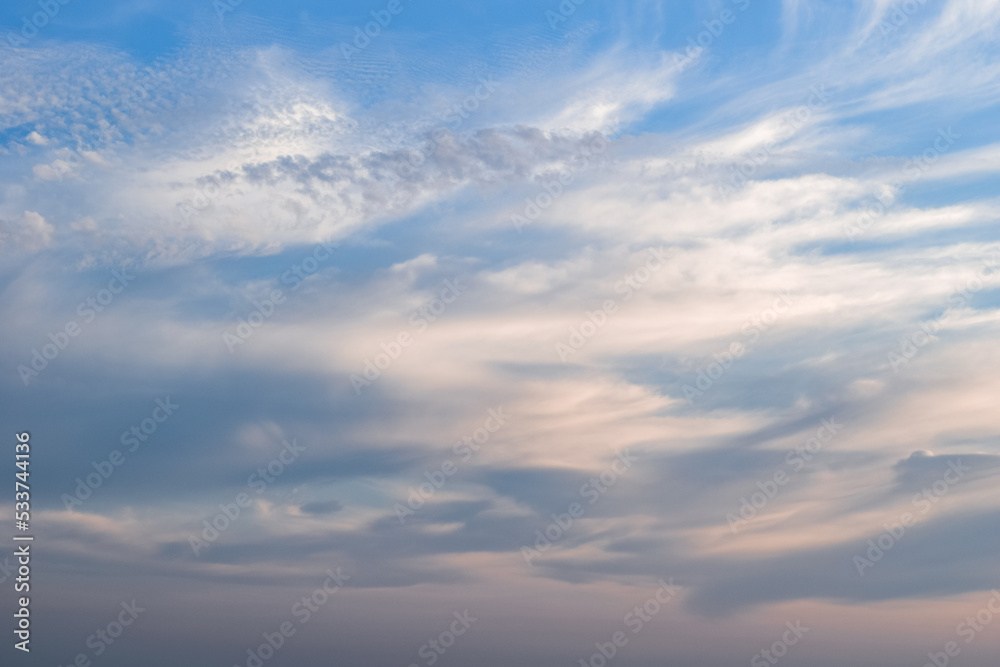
x: 723, y: 274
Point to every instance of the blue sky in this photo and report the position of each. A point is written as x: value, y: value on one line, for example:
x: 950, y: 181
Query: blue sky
x: 512, y: 309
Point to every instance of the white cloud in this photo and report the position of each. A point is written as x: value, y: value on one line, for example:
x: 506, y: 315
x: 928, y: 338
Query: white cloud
x: 29, y: 233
